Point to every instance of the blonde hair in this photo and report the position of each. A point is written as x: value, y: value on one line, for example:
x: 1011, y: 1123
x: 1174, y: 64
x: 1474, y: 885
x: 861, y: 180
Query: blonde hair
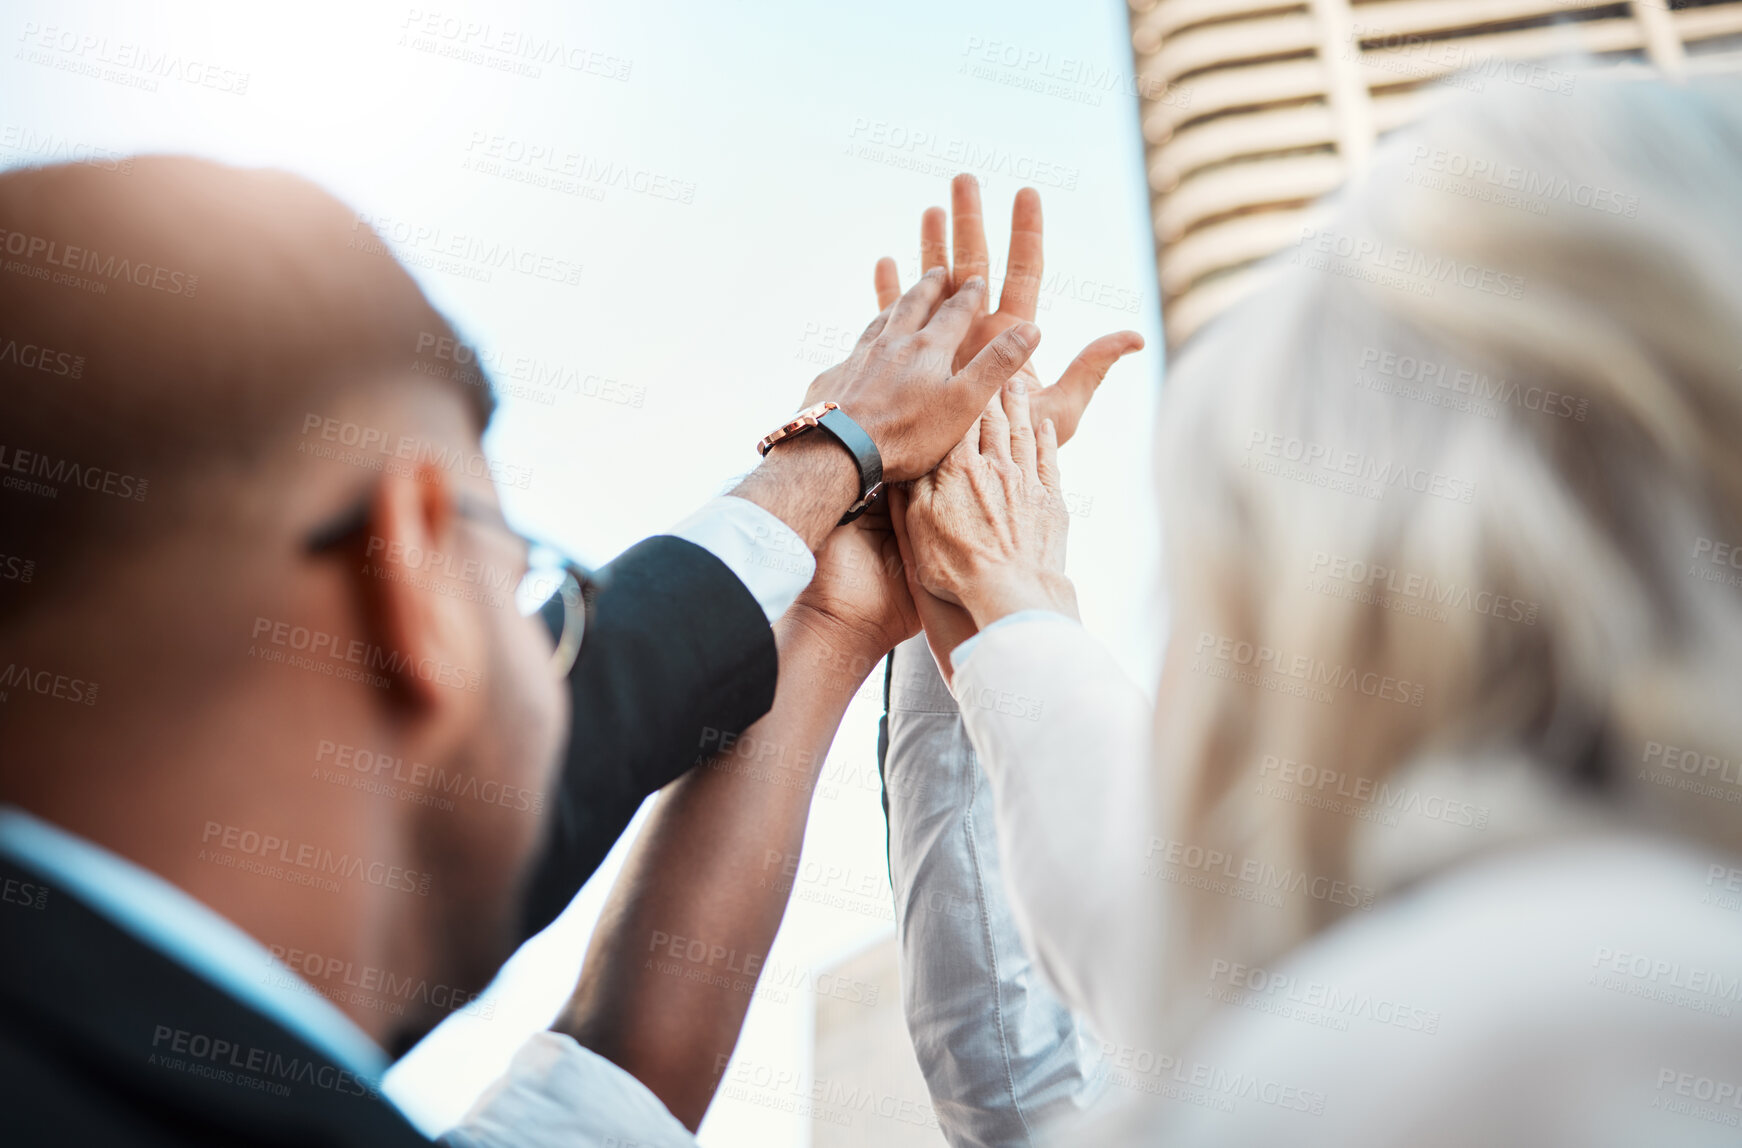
x: 1508, y: 369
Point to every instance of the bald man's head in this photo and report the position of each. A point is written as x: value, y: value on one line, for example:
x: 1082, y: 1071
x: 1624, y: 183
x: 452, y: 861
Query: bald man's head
x: 234, y: 443
x: 164, y: 331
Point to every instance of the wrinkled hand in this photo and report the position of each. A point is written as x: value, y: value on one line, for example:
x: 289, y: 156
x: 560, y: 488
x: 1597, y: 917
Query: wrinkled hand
x: 1065, y: 400
x: 987, y: 528
x: 860, y: 589
x: 946, y: 624
x: 900, y: 382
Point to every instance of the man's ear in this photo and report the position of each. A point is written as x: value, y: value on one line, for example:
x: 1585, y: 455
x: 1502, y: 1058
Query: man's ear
x: 430, y: 645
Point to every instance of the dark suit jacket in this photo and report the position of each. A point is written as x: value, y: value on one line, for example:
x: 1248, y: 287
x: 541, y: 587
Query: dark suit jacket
x: 104, y: 1041
x: 677, y: 651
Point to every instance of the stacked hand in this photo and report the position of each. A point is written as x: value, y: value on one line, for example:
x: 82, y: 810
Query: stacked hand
x: 1064, y: 401
x: 902, y: 383
x: 983, y: 534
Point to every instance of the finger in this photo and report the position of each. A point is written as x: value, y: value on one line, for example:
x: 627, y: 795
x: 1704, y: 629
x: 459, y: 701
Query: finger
x: 897, y: 498
x: 914, y: 308
x: 1022, y: 277
x: 875, y: 327
x: 1065, y: 401
x: 934, y: 250
x: 995, y: 431
x: 887, y: 280
x: 903, y: 544
x: 1016, y: 410
x: 1046, y: 466
x: 950, y: 324
x: 967, y: 449
x: 996, y: 362
x: 969, y: 227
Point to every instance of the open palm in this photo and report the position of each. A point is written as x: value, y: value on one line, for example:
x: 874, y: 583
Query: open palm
x: 1064, y: 401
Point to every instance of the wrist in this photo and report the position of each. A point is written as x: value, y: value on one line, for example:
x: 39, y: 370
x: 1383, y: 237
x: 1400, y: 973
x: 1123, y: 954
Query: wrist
x: 847, y: 652
x: 1001, y: 593
x: 943, y: 636
x: 807, y: 482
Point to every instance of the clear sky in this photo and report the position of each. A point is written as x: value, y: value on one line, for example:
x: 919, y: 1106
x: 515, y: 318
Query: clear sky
x: 723, y: 175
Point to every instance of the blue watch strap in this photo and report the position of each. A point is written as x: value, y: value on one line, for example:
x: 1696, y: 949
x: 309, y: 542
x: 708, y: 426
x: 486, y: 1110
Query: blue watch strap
x: 852, y: 436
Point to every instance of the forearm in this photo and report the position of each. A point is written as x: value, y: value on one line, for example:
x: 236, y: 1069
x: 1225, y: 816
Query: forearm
x: 1063, y: 737
x: 707, y: 874
x: 1001, y: 1053
x: 807, y: 483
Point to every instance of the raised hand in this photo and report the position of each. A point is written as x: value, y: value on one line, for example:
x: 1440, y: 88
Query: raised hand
x: 860, y: 589
x: 1064, y: 401
x: 858, y: 582
x: 947, y: 624
x: 987, y: 528
x: 901, y: 383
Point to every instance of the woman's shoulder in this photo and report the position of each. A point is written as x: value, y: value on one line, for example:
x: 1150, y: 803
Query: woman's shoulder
x: 1582, y: 992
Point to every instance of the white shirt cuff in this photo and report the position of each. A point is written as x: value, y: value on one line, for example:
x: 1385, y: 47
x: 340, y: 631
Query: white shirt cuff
x: 773, y: 563
x: 557, y: 1094
x: 961, y: 652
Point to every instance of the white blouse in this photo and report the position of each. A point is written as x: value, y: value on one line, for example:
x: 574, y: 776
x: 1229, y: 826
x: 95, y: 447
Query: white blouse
x: 1572, y: 987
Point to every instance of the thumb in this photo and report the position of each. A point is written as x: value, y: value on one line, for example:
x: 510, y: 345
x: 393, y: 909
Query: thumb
x: 988, y: 371
x: 1065, y: 401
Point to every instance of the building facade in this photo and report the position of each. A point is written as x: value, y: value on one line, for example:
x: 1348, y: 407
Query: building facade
x: 1253, y: 110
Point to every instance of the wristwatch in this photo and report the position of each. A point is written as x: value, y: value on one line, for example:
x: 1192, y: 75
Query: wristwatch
x: 830, y: 417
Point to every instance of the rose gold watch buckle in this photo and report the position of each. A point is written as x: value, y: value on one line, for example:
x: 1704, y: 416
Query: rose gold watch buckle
x: 801, y: 422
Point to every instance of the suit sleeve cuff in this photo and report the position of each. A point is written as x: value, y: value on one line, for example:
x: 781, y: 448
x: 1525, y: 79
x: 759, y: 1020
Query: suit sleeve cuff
x: 773, y: 563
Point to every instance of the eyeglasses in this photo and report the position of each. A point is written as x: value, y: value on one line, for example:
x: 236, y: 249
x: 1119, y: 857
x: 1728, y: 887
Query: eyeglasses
x: 552, y: 586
